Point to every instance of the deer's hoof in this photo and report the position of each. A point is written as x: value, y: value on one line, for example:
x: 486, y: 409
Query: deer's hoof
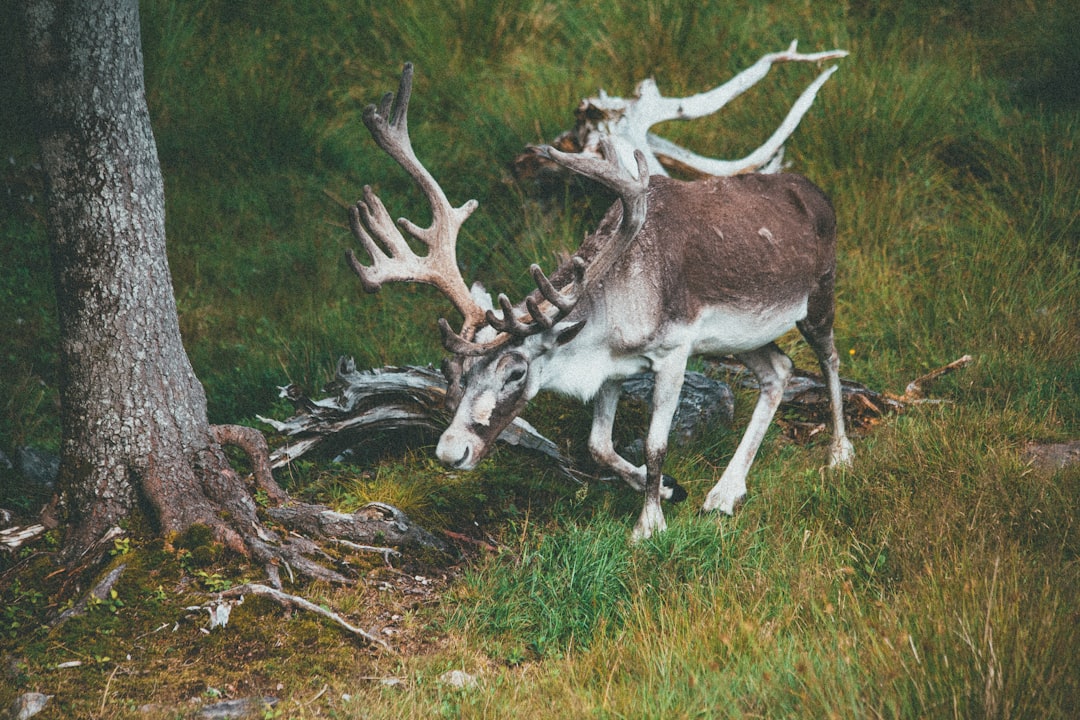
x: 725, y: 505
x: 673, y: 491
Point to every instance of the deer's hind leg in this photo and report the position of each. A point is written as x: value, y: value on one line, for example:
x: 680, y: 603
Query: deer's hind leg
x: 820, y: 338
x: 773, y: 369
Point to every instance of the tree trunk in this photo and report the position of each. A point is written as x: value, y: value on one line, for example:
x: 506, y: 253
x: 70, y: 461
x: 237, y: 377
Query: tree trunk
x: 134, y: 427
x: 135, y: 436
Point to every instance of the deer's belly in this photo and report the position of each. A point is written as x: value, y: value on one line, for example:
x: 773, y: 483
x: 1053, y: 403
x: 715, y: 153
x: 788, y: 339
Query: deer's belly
x: 579, y: 368
x: 729, y: 331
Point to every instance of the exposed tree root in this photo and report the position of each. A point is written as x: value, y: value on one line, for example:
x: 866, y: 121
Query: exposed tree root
x: 252, y: 442
x: 300, y: 555
x: 97, y: 593
x: 235, y: 522
x: 371, y: 522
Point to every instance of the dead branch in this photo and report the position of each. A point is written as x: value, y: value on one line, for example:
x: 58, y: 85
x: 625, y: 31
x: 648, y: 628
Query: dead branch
x: 13, y: 538
x: 401, y: 398
x: 916, y: 391
x: 294, y: 601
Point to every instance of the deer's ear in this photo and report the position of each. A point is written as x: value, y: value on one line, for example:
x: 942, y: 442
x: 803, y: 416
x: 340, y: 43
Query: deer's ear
x: 569, y: 333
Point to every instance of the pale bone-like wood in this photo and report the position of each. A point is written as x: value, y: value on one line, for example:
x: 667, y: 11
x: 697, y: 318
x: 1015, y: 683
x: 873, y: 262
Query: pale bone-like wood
x: 627, y: 121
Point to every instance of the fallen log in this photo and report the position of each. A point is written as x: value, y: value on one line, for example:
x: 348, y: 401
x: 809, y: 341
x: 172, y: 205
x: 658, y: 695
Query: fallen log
x: 373, y: 522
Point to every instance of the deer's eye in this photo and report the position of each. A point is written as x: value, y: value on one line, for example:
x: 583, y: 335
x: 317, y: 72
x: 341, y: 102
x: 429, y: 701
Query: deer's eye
x: 515, y: 375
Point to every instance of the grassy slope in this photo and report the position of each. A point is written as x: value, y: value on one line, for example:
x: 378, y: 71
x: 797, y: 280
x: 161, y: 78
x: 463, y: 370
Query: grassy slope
x: 936, y: 578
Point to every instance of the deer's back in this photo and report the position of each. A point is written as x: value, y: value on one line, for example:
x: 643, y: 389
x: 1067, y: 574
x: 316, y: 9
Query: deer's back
x: 748, y: 241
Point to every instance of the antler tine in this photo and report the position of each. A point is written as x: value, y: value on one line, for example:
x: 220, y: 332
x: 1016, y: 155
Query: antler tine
x: 458, y: 345
x: 392, y: 257
x: 561, y: 299
x: 508, y: 323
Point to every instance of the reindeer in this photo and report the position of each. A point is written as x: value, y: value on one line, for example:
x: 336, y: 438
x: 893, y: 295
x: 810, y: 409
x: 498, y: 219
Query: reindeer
x: 724, y: 265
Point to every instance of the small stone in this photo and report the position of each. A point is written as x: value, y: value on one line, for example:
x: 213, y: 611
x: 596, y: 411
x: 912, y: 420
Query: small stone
x: 240, y: 708
x: 28, y: 705
x: 458, y: 679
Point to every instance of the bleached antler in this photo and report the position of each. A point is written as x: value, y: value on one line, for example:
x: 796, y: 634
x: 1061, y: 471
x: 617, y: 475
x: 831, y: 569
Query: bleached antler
x: 393, y: 260
x: 626, y: 121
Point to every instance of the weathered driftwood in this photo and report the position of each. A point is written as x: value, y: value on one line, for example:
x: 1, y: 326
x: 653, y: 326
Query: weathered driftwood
x: 383, y: 399
x: 626, y: 123
x: 393, y: 399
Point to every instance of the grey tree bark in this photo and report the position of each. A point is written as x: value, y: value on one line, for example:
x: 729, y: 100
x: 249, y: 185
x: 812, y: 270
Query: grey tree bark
x: 135, y: 435
x: 134, y: 425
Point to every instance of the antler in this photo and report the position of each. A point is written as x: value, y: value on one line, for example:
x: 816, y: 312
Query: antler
x: 562, y: 300
x: 628, y: 120
x: 631, y: 190
x: 392, y: 258
x: 610, y: 172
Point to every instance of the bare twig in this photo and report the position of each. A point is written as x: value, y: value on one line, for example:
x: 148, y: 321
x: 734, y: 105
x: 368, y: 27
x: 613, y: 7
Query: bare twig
x: 915, y: 390
x: 105, y: 694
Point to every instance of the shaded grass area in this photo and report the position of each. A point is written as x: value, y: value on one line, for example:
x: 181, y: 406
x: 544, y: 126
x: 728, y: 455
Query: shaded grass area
x: 934, y: 579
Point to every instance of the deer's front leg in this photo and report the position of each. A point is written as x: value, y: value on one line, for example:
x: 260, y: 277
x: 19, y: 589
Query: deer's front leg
x: 602, y: 448
x: 665, y: 400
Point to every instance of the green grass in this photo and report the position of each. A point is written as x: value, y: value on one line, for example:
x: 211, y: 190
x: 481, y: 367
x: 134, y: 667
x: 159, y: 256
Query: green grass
x: 936, y: 578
